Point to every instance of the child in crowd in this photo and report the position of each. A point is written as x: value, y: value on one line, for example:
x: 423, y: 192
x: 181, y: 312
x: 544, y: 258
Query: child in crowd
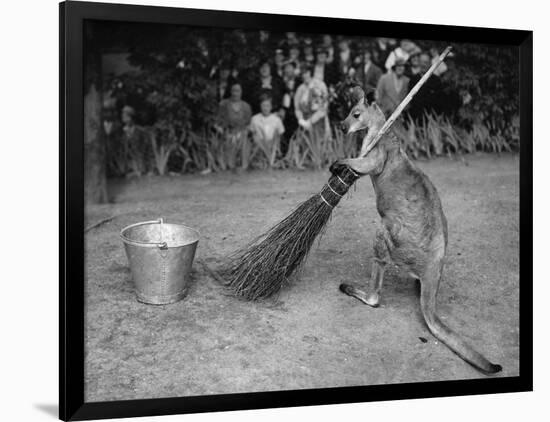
x: 267, y: 127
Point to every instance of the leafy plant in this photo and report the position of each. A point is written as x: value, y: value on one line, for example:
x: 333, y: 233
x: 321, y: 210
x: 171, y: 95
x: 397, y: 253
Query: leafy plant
x: 298, y: 151
x: 266, y: 152
x: 161, y: 153
x: 436, y: 135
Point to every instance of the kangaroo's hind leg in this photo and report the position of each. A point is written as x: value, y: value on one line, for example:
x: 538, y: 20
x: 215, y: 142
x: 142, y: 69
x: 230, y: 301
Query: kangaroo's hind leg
x: 379, y: 262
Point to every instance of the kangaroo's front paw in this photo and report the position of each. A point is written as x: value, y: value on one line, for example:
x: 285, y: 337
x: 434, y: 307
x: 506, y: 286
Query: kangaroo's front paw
x: 336, y: 167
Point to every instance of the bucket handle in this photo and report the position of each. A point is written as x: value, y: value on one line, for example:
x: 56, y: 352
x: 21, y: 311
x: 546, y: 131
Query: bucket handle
x: 162, y: 245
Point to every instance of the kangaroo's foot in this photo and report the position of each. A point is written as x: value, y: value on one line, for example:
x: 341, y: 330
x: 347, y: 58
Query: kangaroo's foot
x: 379, y: 262
x: 371, y: 299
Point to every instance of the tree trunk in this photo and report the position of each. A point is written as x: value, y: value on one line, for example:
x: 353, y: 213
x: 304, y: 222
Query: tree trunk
x: 95, y: 160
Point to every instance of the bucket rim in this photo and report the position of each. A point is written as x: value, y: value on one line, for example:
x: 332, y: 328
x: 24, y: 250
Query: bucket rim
x: 129, y: 241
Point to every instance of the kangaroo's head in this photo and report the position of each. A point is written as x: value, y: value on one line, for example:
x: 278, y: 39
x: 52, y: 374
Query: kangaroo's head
x: 362, y: 114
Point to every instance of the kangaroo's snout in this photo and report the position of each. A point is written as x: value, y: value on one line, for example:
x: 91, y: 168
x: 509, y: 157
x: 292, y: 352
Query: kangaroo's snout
x: 344, y: 126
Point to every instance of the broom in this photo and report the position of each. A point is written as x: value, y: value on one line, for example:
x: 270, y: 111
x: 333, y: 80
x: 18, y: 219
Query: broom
x: 266, y: 264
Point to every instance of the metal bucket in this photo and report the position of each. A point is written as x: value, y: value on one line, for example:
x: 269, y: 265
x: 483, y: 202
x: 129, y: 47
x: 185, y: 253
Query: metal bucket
x: 160, y: 257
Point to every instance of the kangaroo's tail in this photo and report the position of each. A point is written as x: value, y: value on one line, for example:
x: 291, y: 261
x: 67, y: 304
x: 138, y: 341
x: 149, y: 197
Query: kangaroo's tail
x: 452, y: 339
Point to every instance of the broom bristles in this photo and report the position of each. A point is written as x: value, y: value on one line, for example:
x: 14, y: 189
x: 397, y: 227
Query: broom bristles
x: 265, y: 265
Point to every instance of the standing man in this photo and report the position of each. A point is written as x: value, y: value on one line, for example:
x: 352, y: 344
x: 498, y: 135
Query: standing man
x: 343, y: 61
x: 327, y: 45
x: 322, y: 70
x: 265, y: 83
x: 291, y: 83
x: 392, y: 87
x: 368, y: 75
x: 294, y: 57
x: 308, y: 58
x: 415, y: 67
x: 279, y: 62
x: 426, y: 100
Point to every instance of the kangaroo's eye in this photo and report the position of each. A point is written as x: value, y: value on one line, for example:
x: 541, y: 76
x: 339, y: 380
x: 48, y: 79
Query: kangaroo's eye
x: 356, y: 115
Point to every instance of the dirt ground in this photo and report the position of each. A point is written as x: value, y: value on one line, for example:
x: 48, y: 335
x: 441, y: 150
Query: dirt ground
x: 312, y: 336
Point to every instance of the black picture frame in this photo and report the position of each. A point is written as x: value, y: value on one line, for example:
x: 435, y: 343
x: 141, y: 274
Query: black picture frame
x: 71, y: 183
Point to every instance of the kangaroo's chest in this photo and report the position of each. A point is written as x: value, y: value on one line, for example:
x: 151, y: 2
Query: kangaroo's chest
x: 407, y: 202
x: 401, y: 188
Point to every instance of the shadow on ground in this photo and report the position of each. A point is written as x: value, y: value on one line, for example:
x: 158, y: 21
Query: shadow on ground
x: 311, y: 336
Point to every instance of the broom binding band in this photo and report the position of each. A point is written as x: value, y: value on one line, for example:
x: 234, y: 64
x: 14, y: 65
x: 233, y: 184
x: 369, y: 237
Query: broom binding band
x: 325, y: 201
x: 344, y: 183
x: 330, y: 187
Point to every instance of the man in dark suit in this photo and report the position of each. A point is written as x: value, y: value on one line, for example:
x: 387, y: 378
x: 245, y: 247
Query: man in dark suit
x: 291, y: 84
x: 322, y: 70
x: 264, y: 83
x: 343, y: 61
x: 428, y: 99
x: 368, y: 75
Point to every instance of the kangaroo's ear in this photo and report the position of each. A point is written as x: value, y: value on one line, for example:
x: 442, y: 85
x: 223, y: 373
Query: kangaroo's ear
x: 378, y: 111
x: 357, y: 94
x: 375, y: 106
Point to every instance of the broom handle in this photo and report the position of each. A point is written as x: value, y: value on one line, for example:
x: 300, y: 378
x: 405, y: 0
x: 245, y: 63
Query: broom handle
x: 406, y: 101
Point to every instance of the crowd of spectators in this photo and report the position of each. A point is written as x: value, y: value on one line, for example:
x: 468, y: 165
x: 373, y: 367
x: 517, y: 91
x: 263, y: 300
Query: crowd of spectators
x: 296, y: 84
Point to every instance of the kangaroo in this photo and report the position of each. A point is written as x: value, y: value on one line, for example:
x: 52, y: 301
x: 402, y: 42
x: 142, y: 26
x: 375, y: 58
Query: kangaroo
x: 414, y: 229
